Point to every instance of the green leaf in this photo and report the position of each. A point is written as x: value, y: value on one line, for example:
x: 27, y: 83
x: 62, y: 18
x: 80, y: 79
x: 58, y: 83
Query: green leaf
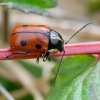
x: 13, y: 87
x: 10, y: 86
x: 78, y: 79
x: 34, y: 3
x: 94, y: 6
x: 33, y: 69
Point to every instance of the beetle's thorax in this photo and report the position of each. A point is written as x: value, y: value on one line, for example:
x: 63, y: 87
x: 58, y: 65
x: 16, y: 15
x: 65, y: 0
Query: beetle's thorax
x: 56, y: 42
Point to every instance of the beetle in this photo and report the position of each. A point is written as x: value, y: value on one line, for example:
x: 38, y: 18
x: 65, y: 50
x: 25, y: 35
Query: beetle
x: 38, y: 38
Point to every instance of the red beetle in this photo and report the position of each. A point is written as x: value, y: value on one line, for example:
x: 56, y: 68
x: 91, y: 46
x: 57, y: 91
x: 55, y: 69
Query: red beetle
x: 36, y: 38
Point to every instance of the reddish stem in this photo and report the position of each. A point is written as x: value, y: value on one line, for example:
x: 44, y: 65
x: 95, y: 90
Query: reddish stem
x: 70, y: 49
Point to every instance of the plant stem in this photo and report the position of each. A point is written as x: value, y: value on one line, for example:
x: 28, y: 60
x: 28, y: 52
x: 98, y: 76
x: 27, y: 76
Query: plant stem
x: 70, y: 49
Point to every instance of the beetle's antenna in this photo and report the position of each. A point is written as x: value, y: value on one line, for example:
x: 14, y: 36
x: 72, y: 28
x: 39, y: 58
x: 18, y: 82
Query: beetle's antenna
x: 78, y: 31
x: 64, y: 50
x: 59, y: 67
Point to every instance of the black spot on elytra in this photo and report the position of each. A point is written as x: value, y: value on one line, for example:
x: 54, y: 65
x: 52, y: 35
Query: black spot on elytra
x: 23, y: 43
x: 38, y: 46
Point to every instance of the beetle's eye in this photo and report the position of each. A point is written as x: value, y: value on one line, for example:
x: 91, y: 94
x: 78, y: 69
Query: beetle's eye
x: 53, y: 36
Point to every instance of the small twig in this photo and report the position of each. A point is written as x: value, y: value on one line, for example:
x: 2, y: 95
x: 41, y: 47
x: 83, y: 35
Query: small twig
x: 6, y: 93
x: 70, y: 49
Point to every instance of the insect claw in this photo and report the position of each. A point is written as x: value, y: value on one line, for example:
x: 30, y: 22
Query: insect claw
x: 44, y: 59
x: 49, y: 59
x: 5, y: 58
x: 47, y: 56
x: 37, y: 60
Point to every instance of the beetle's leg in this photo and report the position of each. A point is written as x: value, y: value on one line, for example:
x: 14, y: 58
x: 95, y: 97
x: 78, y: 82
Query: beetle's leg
x: 47, y: 56
x: 49, y: 59
x: 11, y: 55
x: 14, y: 54
x: 37, y: 60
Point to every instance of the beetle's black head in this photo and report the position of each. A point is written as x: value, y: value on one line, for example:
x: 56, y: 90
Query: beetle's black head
x: 56, y: 42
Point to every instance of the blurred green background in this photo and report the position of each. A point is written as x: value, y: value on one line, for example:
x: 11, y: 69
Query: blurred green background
x: 25, y: 79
